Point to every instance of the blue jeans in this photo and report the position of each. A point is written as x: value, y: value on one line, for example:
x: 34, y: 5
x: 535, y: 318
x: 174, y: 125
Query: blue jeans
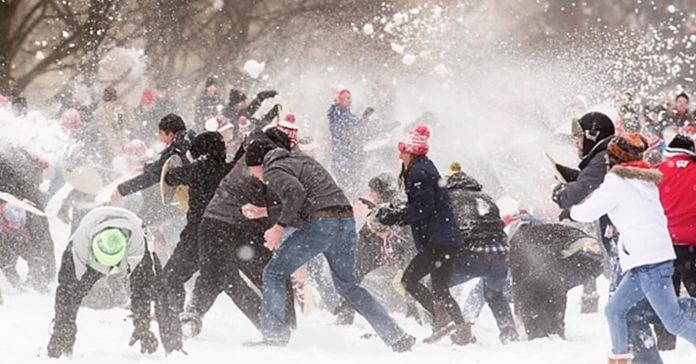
x: 336, y: 239
x: 494, y: 278
x: 642, y: 340
x: 654, y: 283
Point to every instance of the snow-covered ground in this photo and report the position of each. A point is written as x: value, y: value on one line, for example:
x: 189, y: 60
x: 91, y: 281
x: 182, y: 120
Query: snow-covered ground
x: 103, y: 336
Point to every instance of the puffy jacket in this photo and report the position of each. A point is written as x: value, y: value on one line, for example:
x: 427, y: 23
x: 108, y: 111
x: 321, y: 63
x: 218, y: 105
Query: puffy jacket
x: 678, y: 197
x: 478, y: 216
x: 429, y: 208
x: 152, y: 172
x: 631, y: 199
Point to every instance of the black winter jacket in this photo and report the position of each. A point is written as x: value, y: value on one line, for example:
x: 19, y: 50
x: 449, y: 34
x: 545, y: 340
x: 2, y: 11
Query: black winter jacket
x: 152, y: 172
x: 478, y: 216
x: 429, y: 207
x: 592, y: 171
x: 203, y: 177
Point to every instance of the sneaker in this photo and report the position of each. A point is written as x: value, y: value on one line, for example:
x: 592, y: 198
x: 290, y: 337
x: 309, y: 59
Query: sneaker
x: 191, y: 324
x: 509, y: 335
x: 462, y: 335
x: 404, y: 344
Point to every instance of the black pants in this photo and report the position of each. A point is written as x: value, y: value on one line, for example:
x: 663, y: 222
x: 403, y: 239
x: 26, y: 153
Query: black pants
x: 72, y: 289
x: 436, y: 261
x: 225, y: 251
x: 180, y: 267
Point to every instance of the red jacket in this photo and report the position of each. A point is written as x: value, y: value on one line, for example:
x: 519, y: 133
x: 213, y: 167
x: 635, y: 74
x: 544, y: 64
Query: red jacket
x: 678, y: 197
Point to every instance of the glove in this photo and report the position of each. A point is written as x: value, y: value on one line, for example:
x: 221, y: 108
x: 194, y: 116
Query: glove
x: 389, y: 215
x: 556, y: 195
x: 62, y: 340
x: 565, y: 214
x: 263, y: 95
x: 368, y: 112
x: 273, y: 113
x: 148, y: 340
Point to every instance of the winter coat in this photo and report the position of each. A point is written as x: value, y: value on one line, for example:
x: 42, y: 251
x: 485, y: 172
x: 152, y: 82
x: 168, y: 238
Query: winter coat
x: 235, y: 190
x: 631, y: 199
x: 478, y: 216
x: 152, y: 172
x: 593, y: 168
x: 678, y: 197
x: 302, y: 184
x: 203, y: 177
x: 96, y: 221
x: 346, y: 141
x: 429, y: 207
x: 206, y: 108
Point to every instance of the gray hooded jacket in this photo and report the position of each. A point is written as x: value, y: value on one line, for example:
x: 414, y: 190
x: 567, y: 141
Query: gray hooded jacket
x: 302, y: 184
x: 97, y: 220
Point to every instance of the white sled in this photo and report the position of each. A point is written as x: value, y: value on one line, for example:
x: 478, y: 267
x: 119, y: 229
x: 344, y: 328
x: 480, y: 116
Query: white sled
x: 173, y: 195
x: 25, y: 204
x: 554, y: 168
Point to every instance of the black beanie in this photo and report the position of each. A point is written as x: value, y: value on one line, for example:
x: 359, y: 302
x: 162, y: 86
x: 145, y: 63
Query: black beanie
x: 385, y: 185
x: 279, y: 137
x: 256, y: 150
x: 684, y: 95
x: 236, y: 96
x: 208, y: 144
x: 594, y: 127
x: 680, y: 144
x: 212, y: 80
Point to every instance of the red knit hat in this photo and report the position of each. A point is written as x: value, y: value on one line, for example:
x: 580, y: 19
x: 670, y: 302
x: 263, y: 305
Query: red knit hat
x: 416, y: 141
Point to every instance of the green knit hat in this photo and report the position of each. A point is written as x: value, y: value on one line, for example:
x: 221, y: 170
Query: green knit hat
x: 109, y: 246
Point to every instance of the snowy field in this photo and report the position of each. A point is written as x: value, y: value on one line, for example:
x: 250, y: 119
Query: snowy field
x: 103, y: 336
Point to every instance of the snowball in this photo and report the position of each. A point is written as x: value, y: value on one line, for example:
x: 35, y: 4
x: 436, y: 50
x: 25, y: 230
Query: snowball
x: 441, y: 70
x: 253, y: 68
x: 408, y: 59
x: 245, y: 253
x: 672, y: 9
x: 368, y: 29
x: 40, y: 55
x: 218, y: 4
x: 211, y: 124
x: 400, y: 18
x: 398, y: 48
x: 65, y: 34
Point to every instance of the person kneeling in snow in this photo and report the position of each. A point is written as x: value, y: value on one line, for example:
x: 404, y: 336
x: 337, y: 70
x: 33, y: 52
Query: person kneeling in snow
x: 629, y: 196
x: 107, y: 241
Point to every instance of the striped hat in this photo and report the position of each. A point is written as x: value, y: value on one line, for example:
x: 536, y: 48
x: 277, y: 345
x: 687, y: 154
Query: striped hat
x: 627, y: 147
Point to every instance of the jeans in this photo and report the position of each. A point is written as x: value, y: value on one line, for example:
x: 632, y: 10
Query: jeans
x: 336, y: 239
x: 494, y: 276
x: 654, y: 282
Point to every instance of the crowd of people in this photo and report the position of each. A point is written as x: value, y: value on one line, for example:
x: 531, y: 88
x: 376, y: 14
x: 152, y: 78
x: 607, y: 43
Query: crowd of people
x: 263, y: 218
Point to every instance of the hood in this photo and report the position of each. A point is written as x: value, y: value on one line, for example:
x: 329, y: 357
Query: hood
x: 598, y: 148
x: 274, y: 156
x: 461, y: 180
x: 642, y: 174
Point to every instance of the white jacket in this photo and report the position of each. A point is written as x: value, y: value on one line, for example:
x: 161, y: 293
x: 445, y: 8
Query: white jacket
x: 630, y: 197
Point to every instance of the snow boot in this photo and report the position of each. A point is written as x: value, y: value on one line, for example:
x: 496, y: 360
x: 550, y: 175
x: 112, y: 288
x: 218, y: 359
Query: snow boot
x: 589, y: 303
x: 462, y: 334
x: 440, y: 318
x: 404, y: 344
x: 620, y: 359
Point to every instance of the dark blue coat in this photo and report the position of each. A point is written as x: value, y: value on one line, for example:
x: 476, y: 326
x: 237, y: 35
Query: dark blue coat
x: 429, y: 207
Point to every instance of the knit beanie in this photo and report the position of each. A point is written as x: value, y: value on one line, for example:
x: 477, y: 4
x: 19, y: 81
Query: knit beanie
x: 236, y: 96
x: 681, y: 144
x: 416, y: 141
x: 627, y: 147
x: 256, y: 150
